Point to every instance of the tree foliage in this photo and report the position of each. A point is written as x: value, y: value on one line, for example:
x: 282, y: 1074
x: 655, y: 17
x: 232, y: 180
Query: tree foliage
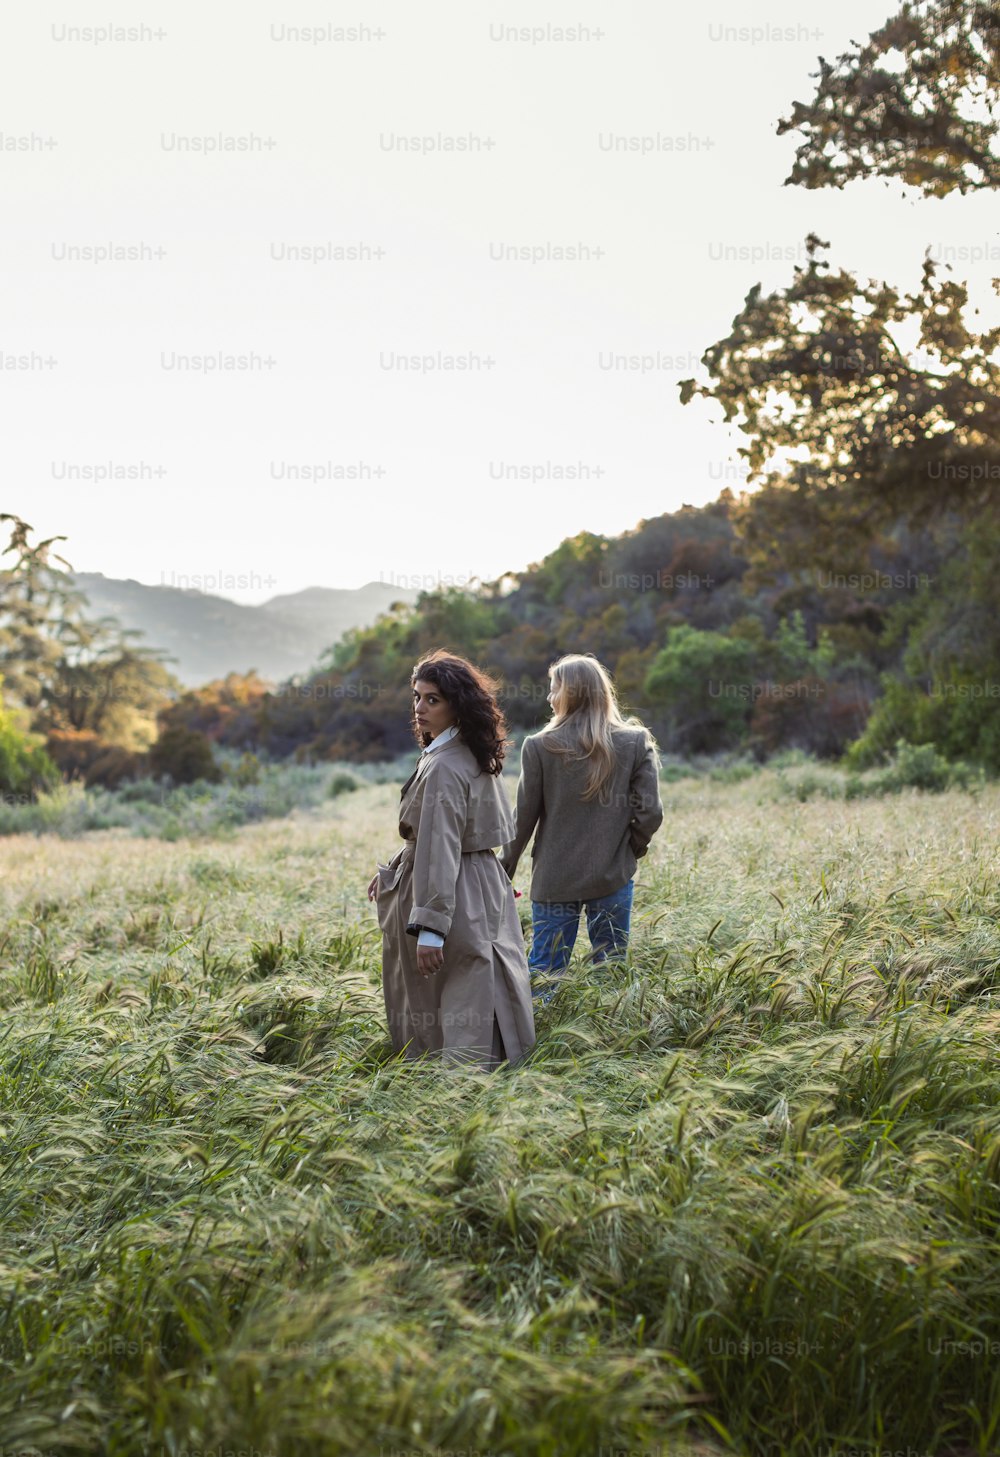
x: 87, y: 685
x: 946, y: 688
x: 877, y: 403
x: 703, y: 682
x: 872, y: 414
x: 38, y: 611
x: 25, y: 768
x: 184, y: 756
x: 107, y: 685
x: 916, y: 103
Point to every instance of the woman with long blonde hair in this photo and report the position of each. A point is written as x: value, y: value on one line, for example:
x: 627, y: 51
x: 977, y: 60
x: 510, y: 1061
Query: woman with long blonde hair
x: 589, y: 790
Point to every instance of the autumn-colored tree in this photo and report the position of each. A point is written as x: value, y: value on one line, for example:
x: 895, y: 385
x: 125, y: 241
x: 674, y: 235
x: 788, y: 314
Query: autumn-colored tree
x: 225, y: 709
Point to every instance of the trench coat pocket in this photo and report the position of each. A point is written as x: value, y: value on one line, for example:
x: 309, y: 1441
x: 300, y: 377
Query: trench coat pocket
x: 388, y: 875
x: 388, y: 883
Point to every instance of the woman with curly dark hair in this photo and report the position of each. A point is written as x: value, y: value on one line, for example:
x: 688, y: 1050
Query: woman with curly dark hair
x: 454, y: 971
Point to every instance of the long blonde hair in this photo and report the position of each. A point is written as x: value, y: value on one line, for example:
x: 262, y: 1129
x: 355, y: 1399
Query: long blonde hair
x: 584, y: 698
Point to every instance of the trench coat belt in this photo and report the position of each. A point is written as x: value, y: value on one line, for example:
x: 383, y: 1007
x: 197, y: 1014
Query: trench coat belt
x: 407, y: 852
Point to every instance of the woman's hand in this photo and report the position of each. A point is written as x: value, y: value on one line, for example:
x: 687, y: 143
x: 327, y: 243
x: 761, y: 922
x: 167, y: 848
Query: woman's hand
x: 429, y: 959
x: 373, y: 887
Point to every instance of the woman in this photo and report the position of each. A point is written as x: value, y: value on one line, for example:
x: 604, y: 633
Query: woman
x: 590, y: 783
x: 454, y: 973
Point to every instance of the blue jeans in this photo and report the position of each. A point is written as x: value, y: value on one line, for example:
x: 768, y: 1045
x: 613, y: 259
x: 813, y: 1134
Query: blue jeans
x: 555, y: 924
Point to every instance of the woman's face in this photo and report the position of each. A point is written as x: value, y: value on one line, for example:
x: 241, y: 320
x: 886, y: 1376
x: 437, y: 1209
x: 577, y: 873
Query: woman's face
x: 554, y: 693
x: 433, y: 713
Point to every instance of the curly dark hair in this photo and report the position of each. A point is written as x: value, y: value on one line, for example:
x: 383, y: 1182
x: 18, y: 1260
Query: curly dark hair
x: 472, y: 695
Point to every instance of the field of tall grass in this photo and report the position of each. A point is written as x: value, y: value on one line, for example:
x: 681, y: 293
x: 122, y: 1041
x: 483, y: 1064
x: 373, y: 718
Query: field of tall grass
x: 742, y: 1197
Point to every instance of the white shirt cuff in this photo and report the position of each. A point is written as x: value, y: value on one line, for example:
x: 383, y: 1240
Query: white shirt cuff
x: 429, y: 938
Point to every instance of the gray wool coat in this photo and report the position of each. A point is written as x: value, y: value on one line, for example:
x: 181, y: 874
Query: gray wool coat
x: 584, y: 849
x: 477, y: 1008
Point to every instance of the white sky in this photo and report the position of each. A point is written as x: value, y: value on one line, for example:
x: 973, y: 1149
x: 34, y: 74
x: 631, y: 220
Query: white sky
x: 661, y: 289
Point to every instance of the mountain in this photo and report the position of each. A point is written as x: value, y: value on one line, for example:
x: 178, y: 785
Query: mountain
x: 211, y: 636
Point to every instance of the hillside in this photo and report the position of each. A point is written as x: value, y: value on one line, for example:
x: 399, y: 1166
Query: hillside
x: 210, y: 636
x: 712, y: 655
x: 720, y: 635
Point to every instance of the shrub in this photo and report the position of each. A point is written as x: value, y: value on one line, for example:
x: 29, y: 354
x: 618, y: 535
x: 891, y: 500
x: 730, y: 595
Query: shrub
x: 914, y: 766
x: 25, y: 767
x: 141, y: 791
x: 82, y: 754
x: 920, y: 766
x: 114, y: 766
x: 246, y: 772
x: 343, y: 782
x: 733, y: 773
x: 700, y: 683
x: 958, y: 717
x: 811, y: 781
x: 185, y: 755
x: 673, y: 768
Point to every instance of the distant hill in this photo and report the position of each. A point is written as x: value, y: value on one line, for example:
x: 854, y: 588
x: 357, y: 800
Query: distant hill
x: 211, y: 636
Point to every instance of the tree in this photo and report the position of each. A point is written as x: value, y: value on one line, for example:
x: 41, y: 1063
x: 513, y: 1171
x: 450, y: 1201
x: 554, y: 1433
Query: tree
x: 79, y: 680
x: 701, y: 683
x: 818, y: 369
x: 37, y: 601
x: 227, y: 709
x: 185, y: 756
x: 947, y: 689
x: 868, y: 409
x: 107, y: 685
x: 930, y: 123
x: 25, y: 768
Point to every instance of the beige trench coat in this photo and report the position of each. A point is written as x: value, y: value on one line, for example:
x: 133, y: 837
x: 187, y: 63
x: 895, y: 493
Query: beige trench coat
x: 477, y: 1008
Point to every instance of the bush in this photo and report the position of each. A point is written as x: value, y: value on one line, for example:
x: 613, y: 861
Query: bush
x: 114, y: 767
x: 812, y: 781
x: 914, y: 766
x: 82, y: 754
x: 141, y: 791
x: 25, y: 767
x: 247, y: 771
x: 700, y: 684
x: 733, y: 773
x: 185, y: 755
x: 957, y: 717
x: 74, y: 751
x: 920, y: 766
x: 673, y: 768
x: 342, y: 782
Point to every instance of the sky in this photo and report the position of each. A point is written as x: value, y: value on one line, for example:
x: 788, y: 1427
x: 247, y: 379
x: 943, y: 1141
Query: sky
x: 301, y: 295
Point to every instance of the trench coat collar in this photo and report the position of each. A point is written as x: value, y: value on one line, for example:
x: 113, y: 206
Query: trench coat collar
x: 425, y: 757
x: 435, y: 745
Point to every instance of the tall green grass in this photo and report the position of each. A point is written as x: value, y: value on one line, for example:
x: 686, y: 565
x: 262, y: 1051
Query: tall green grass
x: 742, y: 1197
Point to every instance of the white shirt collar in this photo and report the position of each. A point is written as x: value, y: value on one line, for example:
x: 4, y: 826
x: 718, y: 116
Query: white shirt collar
x: 442, y: 738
